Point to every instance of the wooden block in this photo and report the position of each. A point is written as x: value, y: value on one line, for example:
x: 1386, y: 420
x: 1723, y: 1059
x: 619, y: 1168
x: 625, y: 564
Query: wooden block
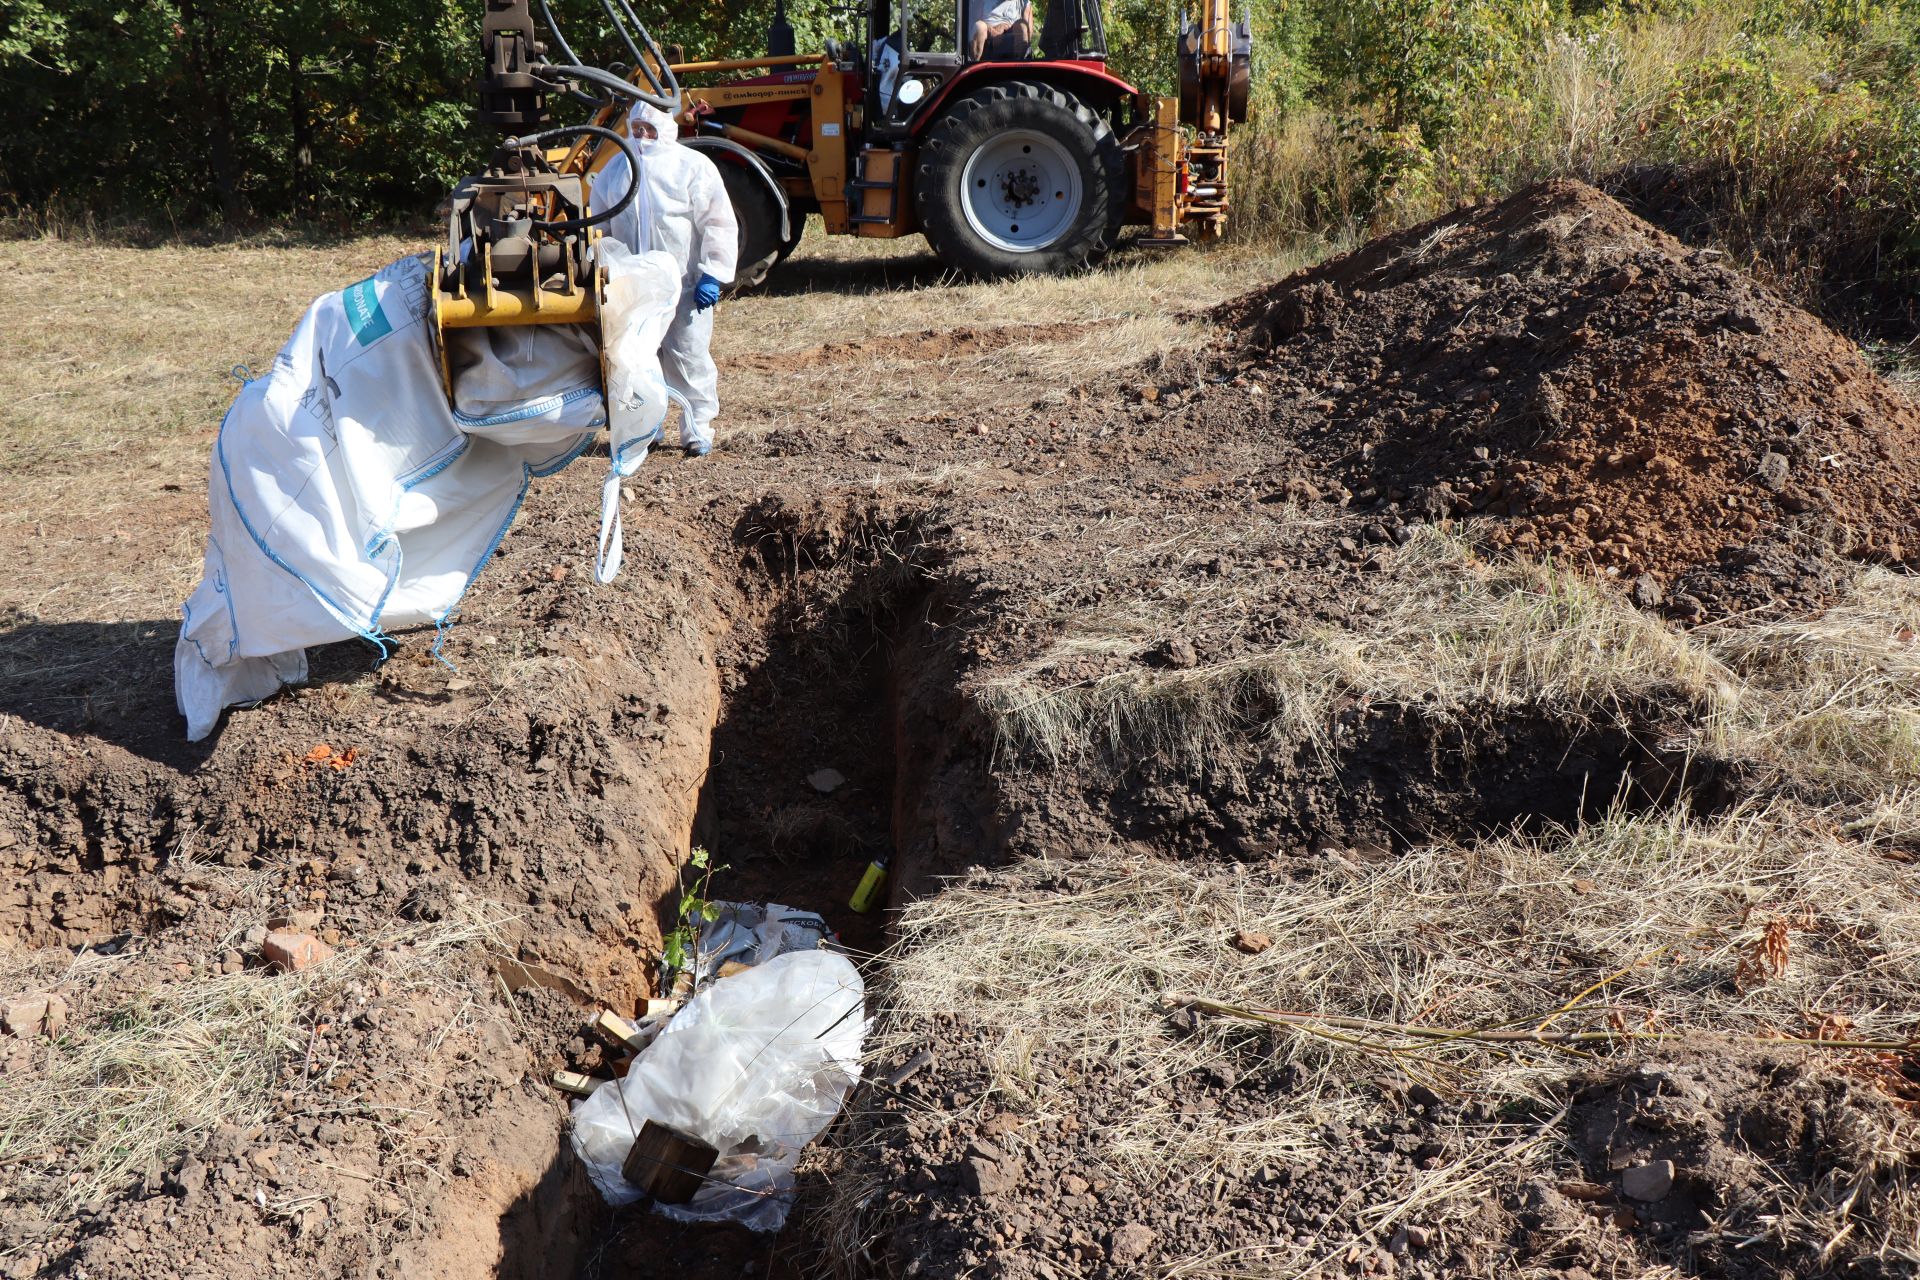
x: 575, y: 1083
x: 658, y: 1009
x: 619, y: 1032
x: 666, y: 1165
x: 909, y: 1069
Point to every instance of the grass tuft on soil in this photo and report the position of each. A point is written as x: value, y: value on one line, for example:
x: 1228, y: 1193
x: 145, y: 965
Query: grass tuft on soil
x: 1829, y: 706
x: 1446, y: 630
x: 130, y: 1088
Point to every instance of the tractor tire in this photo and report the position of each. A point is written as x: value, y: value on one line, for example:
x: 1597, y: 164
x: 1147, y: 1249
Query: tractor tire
x: 1020, y: 178
x: 762, y: 235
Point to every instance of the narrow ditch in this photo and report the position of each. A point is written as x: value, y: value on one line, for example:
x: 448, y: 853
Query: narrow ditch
x: 861, y: 681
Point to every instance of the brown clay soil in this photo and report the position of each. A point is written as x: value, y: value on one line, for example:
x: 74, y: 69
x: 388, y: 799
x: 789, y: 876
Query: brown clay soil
x: 835, y: 590
x: 1602, y: 393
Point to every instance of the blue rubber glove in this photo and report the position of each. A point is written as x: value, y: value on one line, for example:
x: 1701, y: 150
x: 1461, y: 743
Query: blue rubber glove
x: 706, y: 293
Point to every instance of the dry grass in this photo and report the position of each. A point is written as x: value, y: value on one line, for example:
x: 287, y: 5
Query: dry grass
x: 1829, y: 706
x: 1787, y: 916
x: 120, y: 360
x: 128, y: 1088
x: 1636, y: 921
x: 116, y: 377
x: 1444, y: 630
x: 1831, y: 702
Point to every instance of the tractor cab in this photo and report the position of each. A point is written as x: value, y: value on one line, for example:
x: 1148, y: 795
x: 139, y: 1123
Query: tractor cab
x: 915, y: 48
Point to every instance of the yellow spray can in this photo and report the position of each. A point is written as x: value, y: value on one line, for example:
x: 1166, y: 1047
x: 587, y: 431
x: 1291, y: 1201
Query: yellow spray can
x: 867, y: 896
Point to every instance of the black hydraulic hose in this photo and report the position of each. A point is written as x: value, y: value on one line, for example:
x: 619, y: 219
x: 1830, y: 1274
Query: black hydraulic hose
x: 670, y: 85
x: 574, y: 131
x: 608, y: 81
x: 559, y: 37
x: 626, y: 37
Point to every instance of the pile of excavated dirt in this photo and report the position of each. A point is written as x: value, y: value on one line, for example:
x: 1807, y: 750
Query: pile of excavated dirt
x: 1596, y: 391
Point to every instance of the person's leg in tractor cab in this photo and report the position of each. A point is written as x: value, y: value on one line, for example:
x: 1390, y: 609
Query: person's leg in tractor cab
x: 1005, y: 33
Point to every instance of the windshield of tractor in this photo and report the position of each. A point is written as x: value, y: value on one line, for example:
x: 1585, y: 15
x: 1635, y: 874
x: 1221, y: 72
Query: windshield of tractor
x: 931, y: 27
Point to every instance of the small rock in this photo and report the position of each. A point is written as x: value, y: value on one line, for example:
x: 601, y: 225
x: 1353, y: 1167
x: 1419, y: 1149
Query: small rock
x: 1773, y: 472
x: 1648, y: 1182
x: 985, y: 1150
x: 42, y: 1013
x: 1129, y: 1244
x: 255, y: 937
x: 1798, y: 502
x: 1647, y: 593
x: 984, y: 1177
x: 1251, y: 942
x: 826, y: 781
x: 1177, y: 654
x: 190, y: 1179
x: 558, y: 573
x: 293, y: 952
x: 8, y: 839
x: 1149, y: 393
x: 1586, y: 1192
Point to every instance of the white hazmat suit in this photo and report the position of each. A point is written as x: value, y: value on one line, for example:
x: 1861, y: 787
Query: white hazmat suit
x: 682, y: 209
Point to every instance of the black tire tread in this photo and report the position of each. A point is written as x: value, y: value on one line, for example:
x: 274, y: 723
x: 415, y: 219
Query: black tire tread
x: 946, y: 145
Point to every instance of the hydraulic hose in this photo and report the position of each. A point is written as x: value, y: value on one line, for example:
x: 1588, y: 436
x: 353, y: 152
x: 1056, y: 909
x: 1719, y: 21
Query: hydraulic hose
x: 608, y: 81
x: 574, y: 131
x: 559, y: 37
x: 665, y: 83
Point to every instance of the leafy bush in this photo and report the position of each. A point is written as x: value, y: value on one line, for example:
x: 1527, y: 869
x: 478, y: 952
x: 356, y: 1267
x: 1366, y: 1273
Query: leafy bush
x: 1793, y: 125
x: 1788, y: 127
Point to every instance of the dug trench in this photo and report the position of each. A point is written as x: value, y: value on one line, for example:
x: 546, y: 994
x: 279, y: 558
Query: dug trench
x: 1180, y: 614
x: 499, y: 857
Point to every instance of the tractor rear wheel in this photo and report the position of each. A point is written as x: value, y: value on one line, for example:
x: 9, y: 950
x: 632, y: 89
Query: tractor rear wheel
x: 1020, y: 178
x: 761, y: 230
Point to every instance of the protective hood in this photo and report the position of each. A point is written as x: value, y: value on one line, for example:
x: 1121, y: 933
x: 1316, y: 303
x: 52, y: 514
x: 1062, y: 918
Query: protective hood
x: 663, y: 124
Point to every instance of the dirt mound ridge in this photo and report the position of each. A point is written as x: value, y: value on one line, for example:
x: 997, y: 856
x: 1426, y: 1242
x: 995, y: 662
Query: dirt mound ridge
x: 1607, y: 394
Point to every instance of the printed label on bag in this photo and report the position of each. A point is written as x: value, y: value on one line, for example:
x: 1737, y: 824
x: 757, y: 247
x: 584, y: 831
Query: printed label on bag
x: 364, y: 316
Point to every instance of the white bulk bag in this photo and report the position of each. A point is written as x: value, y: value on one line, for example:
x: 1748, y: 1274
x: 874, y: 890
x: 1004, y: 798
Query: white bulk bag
x: 347, y: 497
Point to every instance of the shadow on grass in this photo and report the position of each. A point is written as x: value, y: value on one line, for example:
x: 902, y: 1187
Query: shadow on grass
x: 113, y: 682
x: 909, y: 265
x: 887, y: 266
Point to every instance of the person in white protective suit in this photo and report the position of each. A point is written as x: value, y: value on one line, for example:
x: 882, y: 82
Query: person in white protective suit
x: 683, y: 209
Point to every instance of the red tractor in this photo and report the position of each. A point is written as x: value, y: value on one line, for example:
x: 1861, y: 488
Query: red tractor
x: 999, y: 135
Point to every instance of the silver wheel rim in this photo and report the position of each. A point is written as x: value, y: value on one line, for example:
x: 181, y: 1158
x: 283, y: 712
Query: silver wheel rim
x: 1021, y: 191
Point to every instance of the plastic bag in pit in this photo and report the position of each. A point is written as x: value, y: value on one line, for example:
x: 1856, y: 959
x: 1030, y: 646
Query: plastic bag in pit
x: 748, y: 933
x: 755, y: 1066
